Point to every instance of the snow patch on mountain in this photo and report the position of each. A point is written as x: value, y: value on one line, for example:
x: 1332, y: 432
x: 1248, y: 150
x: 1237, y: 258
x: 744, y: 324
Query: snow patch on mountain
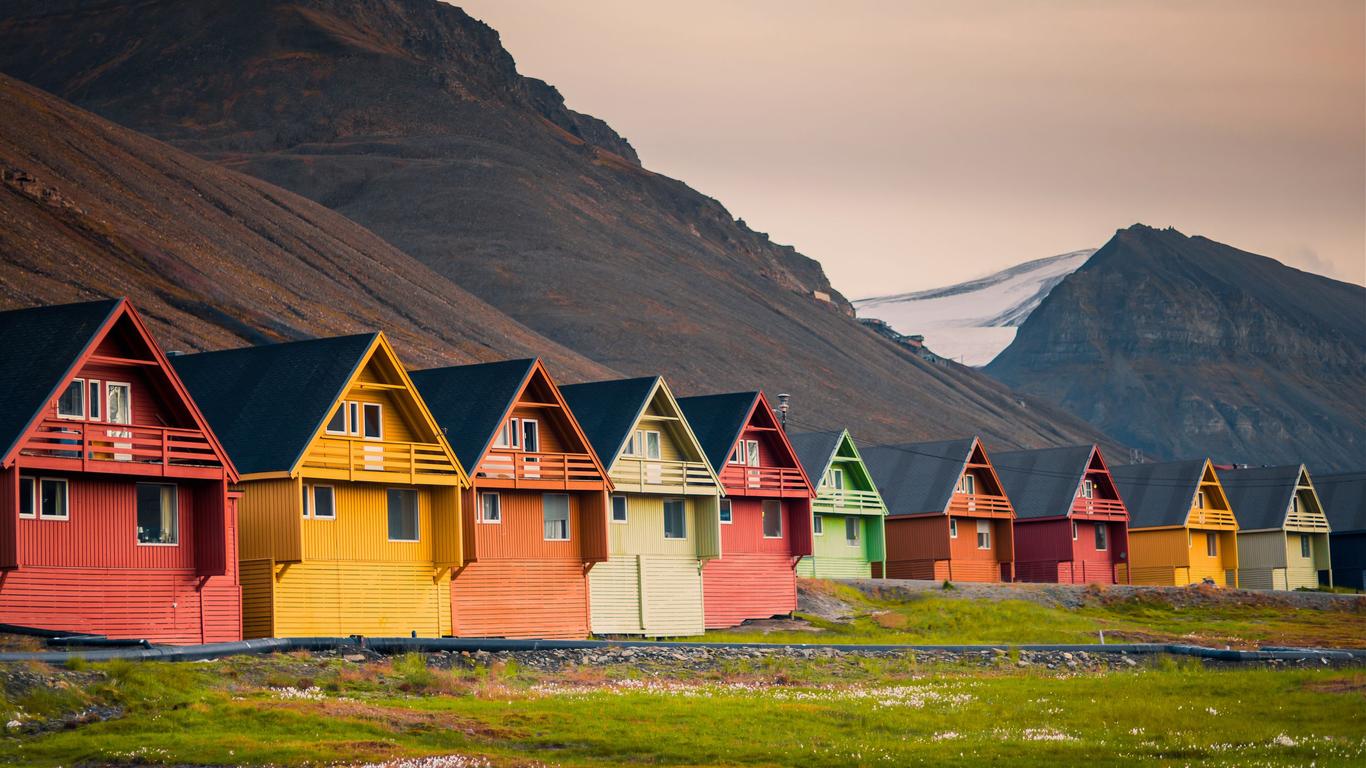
x: 973, y: 321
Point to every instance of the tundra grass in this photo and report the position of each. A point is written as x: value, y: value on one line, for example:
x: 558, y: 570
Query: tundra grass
x: 291, y: 712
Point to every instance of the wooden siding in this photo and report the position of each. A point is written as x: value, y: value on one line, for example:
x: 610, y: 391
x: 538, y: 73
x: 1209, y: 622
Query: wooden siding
x: 521, y: 533
x: 1273, y: 560
x: 747, y: 585
x: 921, y: 548
x: 383, y: 599
x: 271, y: 520
x: 360, y: 530
x: 643, y: 531
x: 258, y: 598
x: 652, y: 595
x: 1177, y: 556
x: 521, y: 598
x: 833, y: 558
x: 1047, y: 553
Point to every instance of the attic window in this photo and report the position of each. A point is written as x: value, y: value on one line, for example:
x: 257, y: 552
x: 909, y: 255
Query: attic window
x: 1087, y: 490
x: 643, y: 443
x: 373, y: 423
x: 71, y: 403
x: 738, y: 455
x: 337, y: 424
x: 967, y: 484
x: 1200, y: 499
x: 752, y: 452
x: 836, y: 479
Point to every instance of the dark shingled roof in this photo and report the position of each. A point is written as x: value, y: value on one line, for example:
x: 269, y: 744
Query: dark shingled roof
x: 917, y: 478
x: 1042, y: 483
x: 717, y: 421
x: 469, y: 401
x: 1158, y: 494
x: 41, y: 345
x: 1343, y: 497
x: 607, y: 411
x: 1260, y: 496
x: 266, y: 403
x: 814, y: 451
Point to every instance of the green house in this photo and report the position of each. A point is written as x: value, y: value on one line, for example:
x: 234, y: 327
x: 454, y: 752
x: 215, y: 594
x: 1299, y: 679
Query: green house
x: 847, y: 515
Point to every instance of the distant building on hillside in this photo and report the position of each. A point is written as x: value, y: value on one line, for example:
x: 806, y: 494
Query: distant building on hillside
x: 914, y: 342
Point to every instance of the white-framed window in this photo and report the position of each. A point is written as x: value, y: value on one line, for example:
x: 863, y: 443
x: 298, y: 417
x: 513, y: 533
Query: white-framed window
x: 352, y: 418
x: 818, y: 525
x: 94, y: 399
x: 53, y: 501
x: 1306, y: 549
x: 555, y: 511
x: 1295, y: 504
x: 1074, y: 530
x: 967, y: 484
x: 752, y: 453
x: 490, y: 508
x: 618, y: 509
x: 531, y: 435
x: 1200, y: 499
x: 158, y: 517
x: 1087, y: 490
x: 675, y: 519
x: 835, y: 478
x: 118, y: 402
x: 71, y: 402
x: 1212, y: 544
x: 643, y: 443
x: 1102, y: 534
x: 324, y: 502
x: 773, y: 519
x: 652, y: 444
x: 306, y: 501
x: 632, y: 444
x: 336, y: 425
x: 953, y: 528
x: 984, y: 534
x: 723, y: 511
x: 403, y: 514
x: 356, y: 419
x: 372, y: 421
x: 737, y: 456
x: 509, y: 435
x: 852, y: 525
x: 28, y: 497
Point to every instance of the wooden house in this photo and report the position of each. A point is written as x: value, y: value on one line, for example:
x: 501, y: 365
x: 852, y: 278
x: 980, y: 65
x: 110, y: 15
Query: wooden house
x: 1282, y: 532
x: 847, y: 516
x: 948, y: 518
x: 350, y: 514
x: 1071, y: 526
x: 665, y: 509
x: 766, y: 515
x: 116, y: 516
x: 1181, y: 529
x: 536, y: 511
x: 1344, y: 504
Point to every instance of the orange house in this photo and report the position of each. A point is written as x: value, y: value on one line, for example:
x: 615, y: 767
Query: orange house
x: 535, y: 517
x: 947, y: 515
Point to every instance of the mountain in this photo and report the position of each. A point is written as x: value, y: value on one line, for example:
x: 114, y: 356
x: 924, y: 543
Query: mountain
x: 972, y: 322
x: 213, y: 258
x: 408, y: 117
x: 1185, y: 347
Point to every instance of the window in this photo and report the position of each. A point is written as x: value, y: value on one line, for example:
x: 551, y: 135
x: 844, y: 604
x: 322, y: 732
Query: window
x: 953, y: 528
x: 402, y: 514
x: 1101, y: 543
x: 1212, y: 544
x: 652, y: 445
x: 984, y: 534
x: 618, y: 509
x: 632, y: 444
x: 724, y: 511
x: 531, y: 435
x: 1200, y: 499
x: 157, y: 514
x: 490, y: 508
x: 1074, y: 530
x: 509, y: 436
x: 305, y: 500
x: 1305, y: 549
x: 555, y: 508
x: 851, y: 530
x: 118, y: 404
x: 967, y: 484
x: 737, y: 456
x: 71, y: 403
x: 352, y: 417
x: 373, y: 425
x: 27, y: 505
x: 773, y: 519
x: 675, y: 519
x: 818, y: 525
x: 337, y: 424
x: 95, y: 400
x: 324, y: 502
x: 1088, y: 489
x: 836, y: 479
x: 52, y: 499
x: 1294, y: 505
x: 752, y: 453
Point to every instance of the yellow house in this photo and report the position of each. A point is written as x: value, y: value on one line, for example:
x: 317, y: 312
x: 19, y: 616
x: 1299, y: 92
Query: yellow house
x: 350, y: 516
x: 1181, y: 528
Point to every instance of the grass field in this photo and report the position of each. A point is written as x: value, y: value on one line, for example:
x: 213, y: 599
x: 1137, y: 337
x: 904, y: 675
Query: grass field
x: 295, y: 710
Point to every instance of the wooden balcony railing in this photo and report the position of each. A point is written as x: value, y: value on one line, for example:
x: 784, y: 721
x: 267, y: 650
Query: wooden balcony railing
x: 355, y: 459
x: 1098, y: 507
x: 779, y: 480
x: 830, y: 500
x: 679, y: 476
x: 979, y: 503
x: 125, y: 448
x: 537, y: 469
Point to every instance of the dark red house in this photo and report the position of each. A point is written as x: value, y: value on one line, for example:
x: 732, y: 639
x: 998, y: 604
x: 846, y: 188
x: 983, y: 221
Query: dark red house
x: 766, y: 515
x: 1070, y: 524
x: 115, y: 512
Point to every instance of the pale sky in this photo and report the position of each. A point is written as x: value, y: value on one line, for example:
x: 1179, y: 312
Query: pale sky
x: 908, y: 145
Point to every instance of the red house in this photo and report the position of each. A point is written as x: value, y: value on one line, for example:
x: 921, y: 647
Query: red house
x: 766, y: 515
x: 1070, y: 524
x: 115, y: 513
x: 947, y: 515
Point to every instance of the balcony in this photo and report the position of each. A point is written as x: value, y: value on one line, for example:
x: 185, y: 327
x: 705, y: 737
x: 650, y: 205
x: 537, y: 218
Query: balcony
x: 518, y: 469
x: 764, y: 481
x: 1109, y: 509
x: 128, y: 449
x: 341, y: 458
x: 980, y: 505
x: 830, y: 500
x: 655, y: 476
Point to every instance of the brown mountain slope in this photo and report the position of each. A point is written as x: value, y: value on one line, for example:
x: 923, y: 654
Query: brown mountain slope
x: 410, y: 118
x: 213, y: 258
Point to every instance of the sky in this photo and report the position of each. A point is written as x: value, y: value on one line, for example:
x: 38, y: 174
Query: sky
x: 908, y: 144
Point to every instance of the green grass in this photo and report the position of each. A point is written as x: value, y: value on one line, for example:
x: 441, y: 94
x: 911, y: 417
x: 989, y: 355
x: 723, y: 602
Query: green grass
x: 891, y: 711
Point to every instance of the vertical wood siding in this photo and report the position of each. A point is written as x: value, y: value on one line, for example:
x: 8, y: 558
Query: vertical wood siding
x: 377, y: 598
x: 9, y: 518
x: 271, y: 520
x: 833, y: 558
x: 915, y: 545
x: 521, y: 598
x: 1047, y: 553
x: 361, y: 528
x: 258, y: 598
x: 654, y: 595
x: 521, y: 534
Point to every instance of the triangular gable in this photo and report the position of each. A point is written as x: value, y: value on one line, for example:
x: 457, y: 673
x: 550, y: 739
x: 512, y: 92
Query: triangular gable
x: 539, y: 388
x: 718, y: 420
x: 1218, y: 512
x: 978, y: 457
x: 662, y: 402
x: 609, y: 411
x: 1311, y: 518
x: 761, y: 417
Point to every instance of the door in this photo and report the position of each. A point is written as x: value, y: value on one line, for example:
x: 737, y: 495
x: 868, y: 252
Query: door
x: 531, y: 443
x: 119, y: 409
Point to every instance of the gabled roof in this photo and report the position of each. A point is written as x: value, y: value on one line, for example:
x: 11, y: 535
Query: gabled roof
x: 815, y: 450
x: 471, y: 401
x: 1043, y: 483
x: 718, y: 420
x: 1159, y: 495
x: 1343, y: 497
x: 267, y: 403
x: 608, y: 411
x: 41, y: 347
x: 1260, y: 496
x: 918, y: 478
